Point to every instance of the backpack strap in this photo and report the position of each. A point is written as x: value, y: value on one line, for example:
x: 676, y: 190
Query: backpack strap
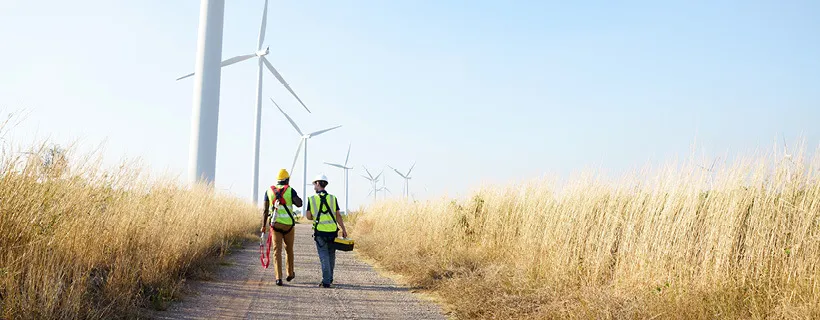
x: 332, y: 214
x: 280, y: 193
x: 323, y: 202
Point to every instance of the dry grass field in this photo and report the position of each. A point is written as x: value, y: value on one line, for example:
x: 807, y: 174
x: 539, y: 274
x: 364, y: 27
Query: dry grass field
x: 741, y: 241
x: 81, y: 242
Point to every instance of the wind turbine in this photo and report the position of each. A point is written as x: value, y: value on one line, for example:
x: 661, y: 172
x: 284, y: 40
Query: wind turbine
x: 384, y: 188
x: 384, y: 182
x: 302, y: 140
x: 373, y: 181
x: 260, y: 54
x: 345, y: 168
x: 787, y: 157
x: 710, y: 171
x: 406, y: 178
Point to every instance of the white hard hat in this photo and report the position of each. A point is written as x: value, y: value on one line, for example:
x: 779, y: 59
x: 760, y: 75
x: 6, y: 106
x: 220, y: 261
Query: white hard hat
x: 320, y: 177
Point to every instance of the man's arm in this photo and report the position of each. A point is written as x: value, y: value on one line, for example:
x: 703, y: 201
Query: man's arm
x: 295, y: 198
x: 341, y: 223
x: 308, y: 214
x: 339, y: 220
x: 265, y: 214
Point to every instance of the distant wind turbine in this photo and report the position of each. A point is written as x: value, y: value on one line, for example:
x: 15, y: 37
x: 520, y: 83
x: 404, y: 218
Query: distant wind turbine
x: 345, y: 168
x: 787, y: 157
x: 259, y: 53
x: 710, y: 171
x: 384, y: 188
x: 406, y: 178
x: 302, y: 140
x: 384, y: 182
x: 373, y: 182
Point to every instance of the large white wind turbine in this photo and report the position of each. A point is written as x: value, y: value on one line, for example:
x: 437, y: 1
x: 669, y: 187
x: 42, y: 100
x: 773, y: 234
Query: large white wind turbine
x: 345, y: 168
x: 302, y: 140
x: 260, y: 54
x: 406, y: 178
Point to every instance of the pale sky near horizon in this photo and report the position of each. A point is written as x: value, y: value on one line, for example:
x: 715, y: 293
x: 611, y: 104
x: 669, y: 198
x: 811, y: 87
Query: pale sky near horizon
x: 474, y: 91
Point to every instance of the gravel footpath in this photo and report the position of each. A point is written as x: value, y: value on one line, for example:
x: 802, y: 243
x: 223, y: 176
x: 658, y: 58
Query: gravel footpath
x: 245, y: 290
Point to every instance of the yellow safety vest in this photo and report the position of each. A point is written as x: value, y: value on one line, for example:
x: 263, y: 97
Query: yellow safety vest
x: 324, y: 216
x: 281, y: 216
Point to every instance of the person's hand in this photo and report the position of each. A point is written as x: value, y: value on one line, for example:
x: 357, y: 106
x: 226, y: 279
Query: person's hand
x: 262, y: 229
x: 344, y: 233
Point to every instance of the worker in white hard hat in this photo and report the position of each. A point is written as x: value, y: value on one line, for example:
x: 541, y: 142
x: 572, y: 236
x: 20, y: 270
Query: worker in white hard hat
x: 323, y: 209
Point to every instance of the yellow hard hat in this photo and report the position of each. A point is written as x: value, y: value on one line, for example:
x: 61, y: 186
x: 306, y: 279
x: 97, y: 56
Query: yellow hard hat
x: 283, y: 174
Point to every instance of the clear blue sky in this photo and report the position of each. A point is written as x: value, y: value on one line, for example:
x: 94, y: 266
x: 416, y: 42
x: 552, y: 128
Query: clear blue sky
x: 475, y: 91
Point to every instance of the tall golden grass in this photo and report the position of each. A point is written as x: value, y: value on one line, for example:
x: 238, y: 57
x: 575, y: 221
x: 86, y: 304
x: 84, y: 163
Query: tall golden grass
x: 683, y: 242
x: 77, y: 241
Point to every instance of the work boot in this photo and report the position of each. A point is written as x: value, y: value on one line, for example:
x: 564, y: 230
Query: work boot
x: 290, y: 277
x: 279, y: 282
x: 324, y: 285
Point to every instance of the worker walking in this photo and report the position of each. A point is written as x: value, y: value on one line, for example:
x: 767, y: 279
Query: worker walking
x: 279, y: 202
x: 323, y: 209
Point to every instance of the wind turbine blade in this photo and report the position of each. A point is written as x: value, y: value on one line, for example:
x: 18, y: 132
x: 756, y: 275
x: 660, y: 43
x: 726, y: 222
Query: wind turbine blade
x: 289, y: 119
x: 236, y: 59
x: 411, y: 168
x: 296, y: 157
x: 335, y: 165
x: 397, y: 171
x: 380, y: 174
x: 368, y: 172
x: 348, y: 154
x: 713, y: 164
x: 262, y: 27
x: 368, y: 178
x: 185, y: 76
x: 321, y: 131
x: 227, y: 62
x: 371, y: 192
x: 282, y: 80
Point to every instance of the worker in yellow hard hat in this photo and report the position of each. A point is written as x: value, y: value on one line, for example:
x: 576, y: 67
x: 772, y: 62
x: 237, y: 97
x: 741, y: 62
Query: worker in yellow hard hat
x: 279, y: 202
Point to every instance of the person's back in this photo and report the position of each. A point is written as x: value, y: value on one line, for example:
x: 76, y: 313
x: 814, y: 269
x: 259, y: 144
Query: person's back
x: 323, y: 209
x: 279, y: 202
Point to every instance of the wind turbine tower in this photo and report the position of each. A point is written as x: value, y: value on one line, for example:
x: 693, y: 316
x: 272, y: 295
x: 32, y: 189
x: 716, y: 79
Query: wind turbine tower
x: 346, y: 169
x: 205, y: 113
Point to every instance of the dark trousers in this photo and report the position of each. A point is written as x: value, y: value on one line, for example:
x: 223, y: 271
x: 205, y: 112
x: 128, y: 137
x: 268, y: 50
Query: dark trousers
x: 327, y: 257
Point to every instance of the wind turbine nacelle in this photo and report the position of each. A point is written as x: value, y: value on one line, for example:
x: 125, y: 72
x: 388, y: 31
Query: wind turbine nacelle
x: 263, y: 52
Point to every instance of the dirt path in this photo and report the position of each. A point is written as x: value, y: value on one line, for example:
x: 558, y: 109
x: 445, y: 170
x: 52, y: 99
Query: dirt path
x: 245, y: 290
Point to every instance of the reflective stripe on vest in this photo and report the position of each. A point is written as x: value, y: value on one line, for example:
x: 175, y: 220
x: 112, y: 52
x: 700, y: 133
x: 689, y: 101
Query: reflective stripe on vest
x: 324, y: 215
x: 281, y: 215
